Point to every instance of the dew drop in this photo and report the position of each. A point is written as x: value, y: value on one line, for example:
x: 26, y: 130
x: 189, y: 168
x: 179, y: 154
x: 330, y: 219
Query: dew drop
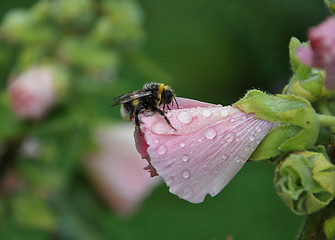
x: 200, y: 140
x: 185, y: 174
x: 238, y: 159
x: 182, y: 144
x: 156, y: 141
x: 210, y: 133
x: 224, y: 156
x: 230, y: 136
x: 206, y: 113
x: 224, y: 113
x: 243, y: 118
x: 187, y: 193
x: 161, y: 128
x: 184, y: 158
x: 169, y: 181
x: 184, y: 117
x: 252, y: 137
x: 258, y: 129
x: 161, y: 149
x: 148, y: 113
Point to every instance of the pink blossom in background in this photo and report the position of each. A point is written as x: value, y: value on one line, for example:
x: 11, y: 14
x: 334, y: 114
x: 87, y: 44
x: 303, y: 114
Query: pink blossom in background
x: 116, y: 169
x: 32, y: 93
x: 321, y: 53
x: 209, y: 147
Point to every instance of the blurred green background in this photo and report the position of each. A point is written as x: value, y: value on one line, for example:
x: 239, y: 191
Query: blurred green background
x: 212, y: 51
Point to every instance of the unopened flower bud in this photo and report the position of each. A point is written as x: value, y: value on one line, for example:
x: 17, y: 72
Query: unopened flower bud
x: 35, y: 91
x: 305, y: 181
x: 321, y: 53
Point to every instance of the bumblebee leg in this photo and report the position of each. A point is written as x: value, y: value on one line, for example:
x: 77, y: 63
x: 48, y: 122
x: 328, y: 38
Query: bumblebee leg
x: 137, y: 121
x: 176, y: 102
x: 155, y: 109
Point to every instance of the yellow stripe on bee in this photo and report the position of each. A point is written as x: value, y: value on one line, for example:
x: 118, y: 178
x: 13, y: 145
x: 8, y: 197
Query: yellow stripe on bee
x: 135, y: 102
x: 160, y: 91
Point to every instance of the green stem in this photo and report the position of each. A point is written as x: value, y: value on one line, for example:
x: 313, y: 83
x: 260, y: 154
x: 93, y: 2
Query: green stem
x: 314, y: 225
x: 327, y: 120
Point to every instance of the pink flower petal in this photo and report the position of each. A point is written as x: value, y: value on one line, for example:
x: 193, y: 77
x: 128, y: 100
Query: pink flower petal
x: 322, y: 40
x: 208, y: 148
x: 305, y: 55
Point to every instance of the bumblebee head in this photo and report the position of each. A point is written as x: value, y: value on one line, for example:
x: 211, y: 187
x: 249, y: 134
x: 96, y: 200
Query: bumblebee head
x: 168, y: 96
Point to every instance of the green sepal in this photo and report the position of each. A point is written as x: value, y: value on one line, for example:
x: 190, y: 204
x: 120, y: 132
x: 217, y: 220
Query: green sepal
x: 294, y: 44
x: 305, y: 181
x: 298, y: 125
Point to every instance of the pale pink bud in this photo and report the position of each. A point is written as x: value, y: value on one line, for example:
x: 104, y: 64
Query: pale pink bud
x: 322, y: 51
x: 33, y: 93
x: 117, y: 169
x: 209, y: 146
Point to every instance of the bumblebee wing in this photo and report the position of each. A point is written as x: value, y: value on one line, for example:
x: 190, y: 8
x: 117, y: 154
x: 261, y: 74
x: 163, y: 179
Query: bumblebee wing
x: 127, y: 97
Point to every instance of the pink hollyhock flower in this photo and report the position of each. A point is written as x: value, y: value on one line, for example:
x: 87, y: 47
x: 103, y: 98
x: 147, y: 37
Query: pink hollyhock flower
x: 33, y: 93
x: 322, y: 51
x: 117, y: 169
x: 209, y: 146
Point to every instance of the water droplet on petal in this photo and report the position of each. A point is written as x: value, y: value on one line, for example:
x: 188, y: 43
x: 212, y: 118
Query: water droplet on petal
x: 161, y: 128
x: 184, y: 117
x: 184, y: 158
x: 224, y: 156
x: 210, y: 133
x: 182, y: 144
x: 185, y: 174
x: 206, y: 113
x: 230, y: 136
x: 161, y: 149
x: 258, y: 129
x: 200, y: 140
x: 252, y: 137
x: 169, y: 181
x: 224, y: 113
x: 187, y: 193
x: 148, y: 113
x: 238, y: 159
x: 156, y: 141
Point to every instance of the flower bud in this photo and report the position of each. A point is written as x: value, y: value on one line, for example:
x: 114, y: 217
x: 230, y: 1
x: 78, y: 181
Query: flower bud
x: 321, y: 53
x: 22, y: 27
x: 305, y: 181
x: 35, y: 91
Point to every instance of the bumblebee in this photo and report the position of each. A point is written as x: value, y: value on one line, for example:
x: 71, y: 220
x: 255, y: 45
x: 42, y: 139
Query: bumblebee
x: 151, y: 97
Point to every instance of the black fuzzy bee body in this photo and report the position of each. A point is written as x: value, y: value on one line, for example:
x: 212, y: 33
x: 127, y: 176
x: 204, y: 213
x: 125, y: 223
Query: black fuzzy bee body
x: 151, y: 97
